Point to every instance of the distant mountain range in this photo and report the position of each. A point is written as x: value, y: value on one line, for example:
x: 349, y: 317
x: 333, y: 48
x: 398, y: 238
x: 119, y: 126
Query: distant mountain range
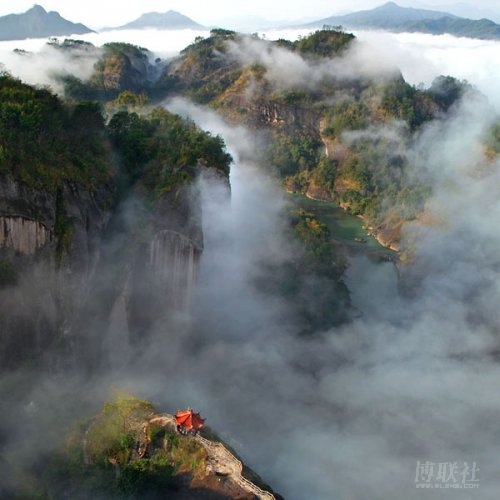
x: 38, y: 23
x: 170, y: 20
x: 392, y: 17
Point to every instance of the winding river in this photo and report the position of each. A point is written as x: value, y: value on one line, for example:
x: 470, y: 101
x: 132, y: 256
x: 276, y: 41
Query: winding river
x: 345, y: 228
x: 371, y: 265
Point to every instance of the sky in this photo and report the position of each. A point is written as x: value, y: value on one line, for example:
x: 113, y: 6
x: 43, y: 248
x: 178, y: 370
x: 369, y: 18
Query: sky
x: 97, y: 14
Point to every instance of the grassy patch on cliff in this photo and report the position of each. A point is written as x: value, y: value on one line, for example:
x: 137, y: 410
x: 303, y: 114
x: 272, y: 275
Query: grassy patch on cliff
x: 118, y: 454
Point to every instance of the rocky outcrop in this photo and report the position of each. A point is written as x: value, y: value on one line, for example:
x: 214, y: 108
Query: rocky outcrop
x: 125, y: 67
x: 174, y: 261
x: 317, y: 192
x: 87, y: 258
x: 23, y: 235
x: 247, y: 106
x: 19, y: 200
x: 201, y: 466
x: 147, y: 272
x: 293, y: 116
x: 30, y: 216
x: 221, y: 463
x: 50, y: 244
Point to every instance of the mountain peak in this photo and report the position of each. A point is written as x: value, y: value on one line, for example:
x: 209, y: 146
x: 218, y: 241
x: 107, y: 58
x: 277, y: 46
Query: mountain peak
x: 393, y: 17
x: 385, y: 16
x: 167, y: 20
x: 37, y: 9
x: 37, y: 23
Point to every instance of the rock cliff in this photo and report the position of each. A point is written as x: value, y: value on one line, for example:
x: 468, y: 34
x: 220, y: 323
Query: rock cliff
x: 50, y: 262
x: 90, y: 252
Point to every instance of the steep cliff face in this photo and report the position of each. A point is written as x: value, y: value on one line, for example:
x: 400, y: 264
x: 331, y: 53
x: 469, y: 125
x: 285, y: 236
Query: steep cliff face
x: 49, y: 242
x: 94, y: 214
x: 165, y: 262
x: 85, y: 265
x: 174, y: 261
x: 250, y: 100
x: 176, y: 244
x: 278, y: 114
x: 120, y: 67
x: 146, y: 272
x: 17, y: 199
x: 23, y: 235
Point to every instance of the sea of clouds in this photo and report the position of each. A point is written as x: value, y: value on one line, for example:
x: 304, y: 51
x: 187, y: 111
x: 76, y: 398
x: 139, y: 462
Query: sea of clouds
x: 347, y: 414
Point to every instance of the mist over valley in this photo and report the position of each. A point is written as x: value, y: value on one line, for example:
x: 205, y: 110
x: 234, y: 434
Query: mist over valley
x: 291, y: 232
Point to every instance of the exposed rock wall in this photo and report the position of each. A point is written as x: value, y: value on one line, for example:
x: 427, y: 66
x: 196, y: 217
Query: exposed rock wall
x: 23, y: 235
x: 47, y: 282
x: 174, y: 259
x: 116, y: 273
x: 18, y: 200
x: 286, y: 115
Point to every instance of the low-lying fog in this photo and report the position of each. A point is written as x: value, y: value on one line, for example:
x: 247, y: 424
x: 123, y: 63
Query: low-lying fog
x: 349, y: 413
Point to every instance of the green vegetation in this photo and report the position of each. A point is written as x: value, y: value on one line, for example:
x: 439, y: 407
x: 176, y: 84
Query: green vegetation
x: 186, y: 454
x: 372, y: 177
x: 113, y: 431
x: 345, y: 116
x: 101, y: 460
x: 161, y: 148
x: 323, y: 43
x: 363, y: 171
x: 128, y: 101
x: 378, y: 171
x: 146, y: 478
x: 312, y: 232
x: 446, y: 90
x: 121, y: 67
x: 325, y: 174
x: 44, y: 143
x: 327, y: 42
x: 57, y: 147
x: 293, y: 153
x: 115, y: 71
x: 402, y: 101
x: 203, y: 73
x: 311, y: 281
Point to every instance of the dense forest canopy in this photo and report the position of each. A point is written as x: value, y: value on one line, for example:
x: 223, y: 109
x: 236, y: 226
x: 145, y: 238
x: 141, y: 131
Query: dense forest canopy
x: 366, y: 175
x: 45, y: 142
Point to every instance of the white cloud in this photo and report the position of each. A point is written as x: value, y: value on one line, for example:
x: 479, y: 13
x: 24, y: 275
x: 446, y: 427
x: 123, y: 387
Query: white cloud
x: 415, y: 379
x: 424, y: 57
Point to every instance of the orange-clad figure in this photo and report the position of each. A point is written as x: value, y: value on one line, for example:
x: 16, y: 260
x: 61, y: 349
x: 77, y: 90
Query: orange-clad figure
x: 188, y: 422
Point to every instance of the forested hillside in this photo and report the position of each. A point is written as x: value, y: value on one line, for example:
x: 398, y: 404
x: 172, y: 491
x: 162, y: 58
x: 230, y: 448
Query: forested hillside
x: 336, y: 133
x: 45, y: 142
